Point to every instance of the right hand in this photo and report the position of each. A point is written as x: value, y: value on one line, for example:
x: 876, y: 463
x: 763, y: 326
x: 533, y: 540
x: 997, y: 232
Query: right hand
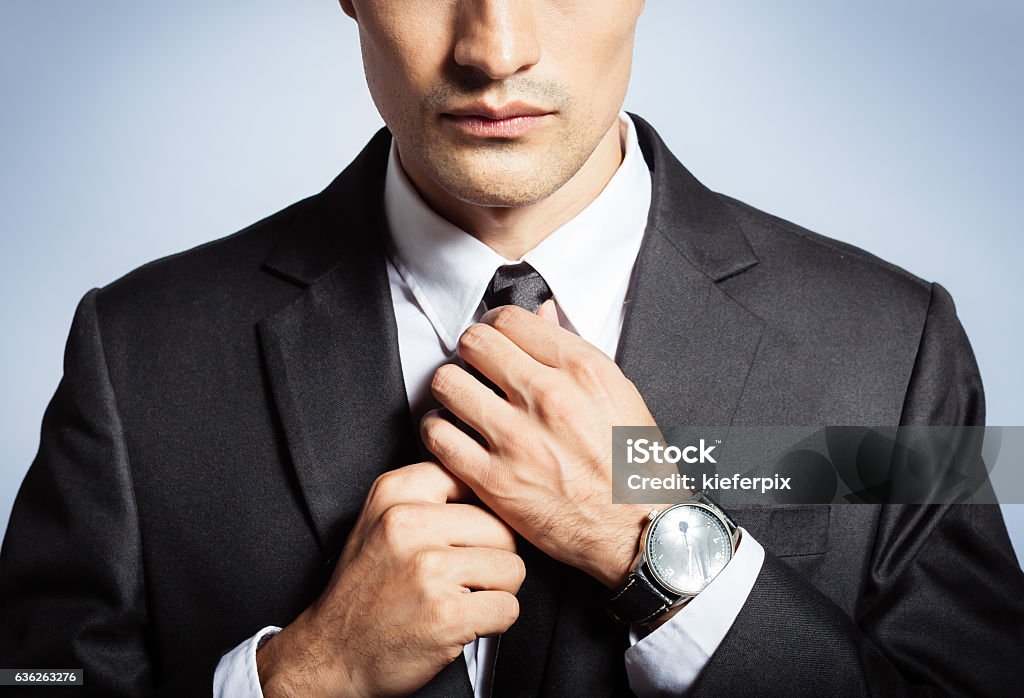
x: 419, y: 578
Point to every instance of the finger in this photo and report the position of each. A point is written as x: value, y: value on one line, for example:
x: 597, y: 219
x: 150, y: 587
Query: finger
x: 419, y: 482
x: 545, y: 341
x: 489, y: 612
x: 499, y: 358
x: 459, y: 525
x: 457, y: 450
x: 470, y: 525
x: 548, y: 311
x: 482, y: 568
x: 471, y: 401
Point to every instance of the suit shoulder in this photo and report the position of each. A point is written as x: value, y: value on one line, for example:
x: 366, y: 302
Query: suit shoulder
x: 834, y: 269
x: 238, y: 252
x: 222, y: 271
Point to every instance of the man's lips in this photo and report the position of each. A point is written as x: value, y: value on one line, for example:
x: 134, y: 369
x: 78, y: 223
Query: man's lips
x: 483, y: 127
x: 509, y: 120
x: 497, y: 112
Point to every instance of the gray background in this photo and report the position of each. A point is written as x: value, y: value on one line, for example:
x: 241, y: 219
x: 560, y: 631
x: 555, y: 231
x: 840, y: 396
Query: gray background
x: 130, y: 130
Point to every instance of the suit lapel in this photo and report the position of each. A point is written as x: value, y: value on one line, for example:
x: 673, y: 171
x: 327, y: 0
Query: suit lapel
x: 686, y: 344
x: 332, y: 361
x: 332, y: 353
x: 333, y: 364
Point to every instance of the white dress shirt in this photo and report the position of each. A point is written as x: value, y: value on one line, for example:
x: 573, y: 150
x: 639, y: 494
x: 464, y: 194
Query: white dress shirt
x: 438, y: 274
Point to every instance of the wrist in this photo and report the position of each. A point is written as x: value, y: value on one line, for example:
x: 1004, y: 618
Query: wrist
x: 621, y: 545
x: 273, y: 680
x: 291, y: 665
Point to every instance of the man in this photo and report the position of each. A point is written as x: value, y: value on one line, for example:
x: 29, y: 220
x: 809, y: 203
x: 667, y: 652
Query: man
x: 329, y: 456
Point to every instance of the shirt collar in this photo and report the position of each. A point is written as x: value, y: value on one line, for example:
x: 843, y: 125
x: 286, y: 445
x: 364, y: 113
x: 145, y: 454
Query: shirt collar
x: 585, y: 262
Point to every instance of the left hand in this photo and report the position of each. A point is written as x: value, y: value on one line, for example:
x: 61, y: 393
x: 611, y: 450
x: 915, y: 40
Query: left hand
x: 546, y: 468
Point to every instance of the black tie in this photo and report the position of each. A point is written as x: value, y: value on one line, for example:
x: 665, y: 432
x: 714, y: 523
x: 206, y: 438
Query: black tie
x: 522, y: 647
x: 517, y: 284
x: 512, y: 284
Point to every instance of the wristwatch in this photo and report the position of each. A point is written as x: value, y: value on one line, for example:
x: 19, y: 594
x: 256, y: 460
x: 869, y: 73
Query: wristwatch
x: 682, y: 549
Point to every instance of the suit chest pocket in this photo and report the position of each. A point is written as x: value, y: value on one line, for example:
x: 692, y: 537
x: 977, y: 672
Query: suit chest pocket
x: 786, y: 530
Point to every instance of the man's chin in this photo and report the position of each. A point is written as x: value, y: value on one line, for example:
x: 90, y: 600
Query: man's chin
x: 506, y: 191
x: 490, y: 181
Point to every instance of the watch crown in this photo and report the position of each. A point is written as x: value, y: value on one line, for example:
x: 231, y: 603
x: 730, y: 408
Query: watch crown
x: 653, y: 515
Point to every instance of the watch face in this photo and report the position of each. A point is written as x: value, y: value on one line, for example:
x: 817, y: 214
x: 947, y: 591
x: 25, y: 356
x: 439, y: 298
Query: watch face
x: 687, y: 546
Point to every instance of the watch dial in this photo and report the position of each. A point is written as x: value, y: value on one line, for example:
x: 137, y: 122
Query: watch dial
x: 687, y: 547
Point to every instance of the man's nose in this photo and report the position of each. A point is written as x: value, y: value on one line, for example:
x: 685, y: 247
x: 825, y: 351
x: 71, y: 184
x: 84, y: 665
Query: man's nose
x: 497, y: 37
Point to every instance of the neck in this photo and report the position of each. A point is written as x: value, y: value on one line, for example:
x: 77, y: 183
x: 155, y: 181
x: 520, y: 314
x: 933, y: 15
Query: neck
x: 514, y: 231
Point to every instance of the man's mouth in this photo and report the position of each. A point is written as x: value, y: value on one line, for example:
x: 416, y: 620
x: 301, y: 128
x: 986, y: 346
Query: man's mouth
x: 509, y: 120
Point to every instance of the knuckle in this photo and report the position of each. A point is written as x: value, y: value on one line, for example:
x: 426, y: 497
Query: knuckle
x: 427, y: 566
x: 518, y: 568
x: 507, y: 317
x: 507, y: 608
x: 585, y: 367
x: 443, y: 612
x: 542, y: 385
x: 511, y: 567
x: 464, y: 621
x: 554, y: 405
x: 472, y: 337
x: 444, y: 378
x: 430, y: 431
x: 396, y: 521
x: 388, y: 485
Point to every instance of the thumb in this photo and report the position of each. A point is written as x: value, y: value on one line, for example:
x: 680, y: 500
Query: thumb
x: 548, y: 311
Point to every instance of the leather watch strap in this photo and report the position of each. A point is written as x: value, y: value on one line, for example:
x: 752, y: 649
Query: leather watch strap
x: 730, y: 525
x: 639, y: 600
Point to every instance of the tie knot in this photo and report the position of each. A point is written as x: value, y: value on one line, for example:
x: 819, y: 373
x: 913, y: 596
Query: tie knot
x: 517, y: 284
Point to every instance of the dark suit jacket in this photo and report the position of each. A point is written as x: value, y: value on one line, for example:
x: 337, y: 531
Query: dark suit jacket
x: 224, y: 411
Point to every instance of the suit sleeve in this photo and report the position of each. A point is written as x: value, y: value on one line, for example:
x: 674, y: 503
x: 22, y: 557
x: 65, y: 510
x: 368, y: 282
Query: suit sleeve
x: 72, y: 588
x: 942, y: 612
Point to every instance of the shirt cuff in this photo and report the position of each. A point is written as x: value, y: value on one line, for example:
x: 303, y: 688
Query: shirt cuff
x: 236, y: 675
x: 668, y: 660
